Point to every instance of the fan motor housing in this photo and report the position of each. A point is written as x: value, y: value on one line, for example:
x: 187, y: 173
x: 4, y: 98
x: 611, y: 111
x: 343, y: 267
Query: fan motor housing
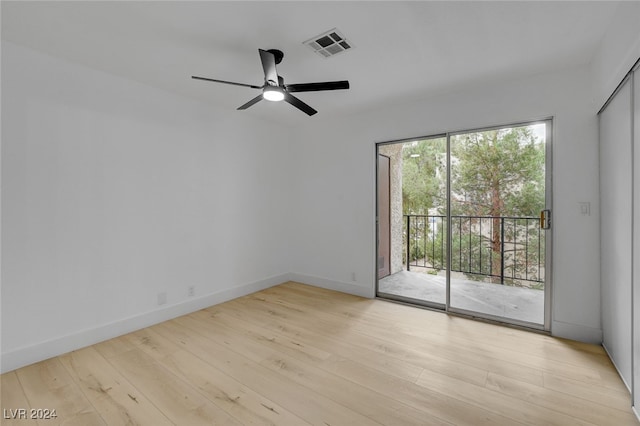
x: 277, y: 54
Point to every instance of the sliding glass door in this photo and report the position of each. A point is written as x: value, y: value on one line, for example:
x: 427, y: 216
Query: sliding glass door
x: 472, y: 239
x: 498, y: 246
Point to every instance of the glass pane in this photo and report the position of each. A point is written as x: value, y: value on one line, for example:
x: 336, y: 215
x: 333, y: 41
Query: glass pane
x: 497, y: 246
x: 418, y: 216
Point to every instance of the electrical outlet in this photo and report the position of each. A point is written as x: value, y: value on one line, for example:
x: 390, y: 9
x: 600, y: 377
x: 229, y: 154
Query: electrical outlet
x: 162, y: 298
x: 191, y: 292
x: 353, y: 276
x: 585, y: 208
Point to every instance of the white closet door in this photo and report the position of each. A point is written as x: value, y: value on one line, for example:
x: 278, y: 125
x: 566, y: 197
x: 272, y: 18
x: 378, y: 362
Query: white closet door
x: 636, y: 241
x: 615, y: 230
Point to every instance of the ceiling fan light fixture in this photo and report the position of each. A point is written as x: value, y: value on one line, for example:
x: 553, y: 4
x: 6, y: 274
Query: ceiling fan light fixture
x: 273, y: 93
x: 275, y: 90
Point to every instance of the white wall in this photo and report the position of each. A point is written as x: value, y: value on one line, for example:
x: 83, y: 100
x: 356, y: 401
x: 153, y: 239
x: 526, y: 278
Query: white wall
x: 114, y: 191
x: 618, y: 51
x: 334, y: 230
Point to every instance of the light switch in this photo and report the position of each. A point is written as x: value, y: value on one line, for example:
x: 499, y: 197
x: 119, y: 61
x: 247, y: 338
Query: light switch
x: 585, y: 208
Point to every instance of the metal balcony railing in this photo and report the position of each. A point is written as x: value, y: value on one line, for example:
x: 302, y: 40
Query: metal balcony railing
x: 506, y: 250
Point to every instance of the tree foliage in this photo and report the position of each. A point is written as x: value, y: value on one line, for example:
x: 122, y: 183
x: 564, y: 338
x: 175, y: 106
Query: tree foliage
x: 423, y: 164
x: 494, y: 174
x: 497, y: 173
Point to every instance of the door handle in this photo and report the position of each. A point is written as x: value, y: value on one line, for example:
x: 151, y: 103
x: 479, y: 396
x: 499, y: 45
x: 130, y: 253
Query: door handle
x: 545, y: 219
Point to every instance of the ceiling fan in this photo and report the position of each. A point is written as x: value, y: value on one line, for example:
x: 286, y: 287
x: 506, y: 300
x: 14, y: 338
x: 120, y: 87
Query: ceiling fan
x: 274, y: 88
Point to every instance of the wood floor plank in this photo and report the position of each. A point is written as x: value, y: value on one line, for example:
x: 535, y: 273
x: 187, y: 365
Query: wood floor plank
x: 177, y: 400
x: 230, y: 326
x: 15, y: 407
x: 295, y: 354
x: 302, y: 337
x: 414, y: 324
x: 300, y: 369
x: 461, y: 359
x: 589, y: 368
x: 521, y: 410
x: 244, y: 404
x: 486, y: 336
x: 452, y: 409
x: 364, y: 400
x: 619, y: 400
x: 115, y: 399
x: 573, y: 406
x: 401, y: 361
x: 47, y: 385
x: 478, y: 331
x: 300, y: 400
x: 431, y: 404
x: 113, y: 347
x: 240, y: 401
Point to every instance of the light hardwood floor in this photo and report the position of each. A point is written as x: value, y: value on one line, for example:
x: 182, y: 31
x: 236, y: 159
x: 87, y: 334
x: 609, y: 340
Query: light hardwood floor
x: 298, y: 355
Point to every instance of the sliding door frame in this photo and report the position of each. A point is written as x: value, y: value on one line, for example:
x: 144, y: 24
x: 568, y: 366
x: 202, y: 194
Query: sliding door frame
x: 398, y: 298
x: 548, y: 285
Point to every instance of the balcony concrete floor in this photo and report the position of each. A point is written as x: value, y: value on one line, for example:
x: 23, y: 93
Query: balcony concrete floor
x: 517, y: 303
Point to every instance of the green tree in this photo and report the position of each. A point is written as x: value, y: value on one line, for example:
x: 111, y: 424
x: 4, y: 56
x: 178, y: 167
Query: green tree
x: 422, y: 163
x: 494, y: 174
x: 499, y: 173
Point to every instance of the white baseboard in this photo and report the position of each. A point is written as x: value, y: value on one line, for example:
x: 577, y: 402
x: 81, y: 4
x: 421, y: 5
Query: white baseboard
x: 635, y: 412
x: 344, y: 287
x: 41, y: 351
x: 580, y: 333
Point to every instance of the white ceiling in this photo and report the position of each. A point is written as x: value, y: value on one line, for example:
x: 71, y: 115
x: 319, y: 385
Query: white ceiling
x: 402, y: 50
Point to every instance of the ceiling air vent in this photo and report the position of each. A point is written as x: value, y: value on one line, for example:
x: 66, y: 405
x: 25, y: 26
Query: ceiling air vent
x: 329, y: 43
